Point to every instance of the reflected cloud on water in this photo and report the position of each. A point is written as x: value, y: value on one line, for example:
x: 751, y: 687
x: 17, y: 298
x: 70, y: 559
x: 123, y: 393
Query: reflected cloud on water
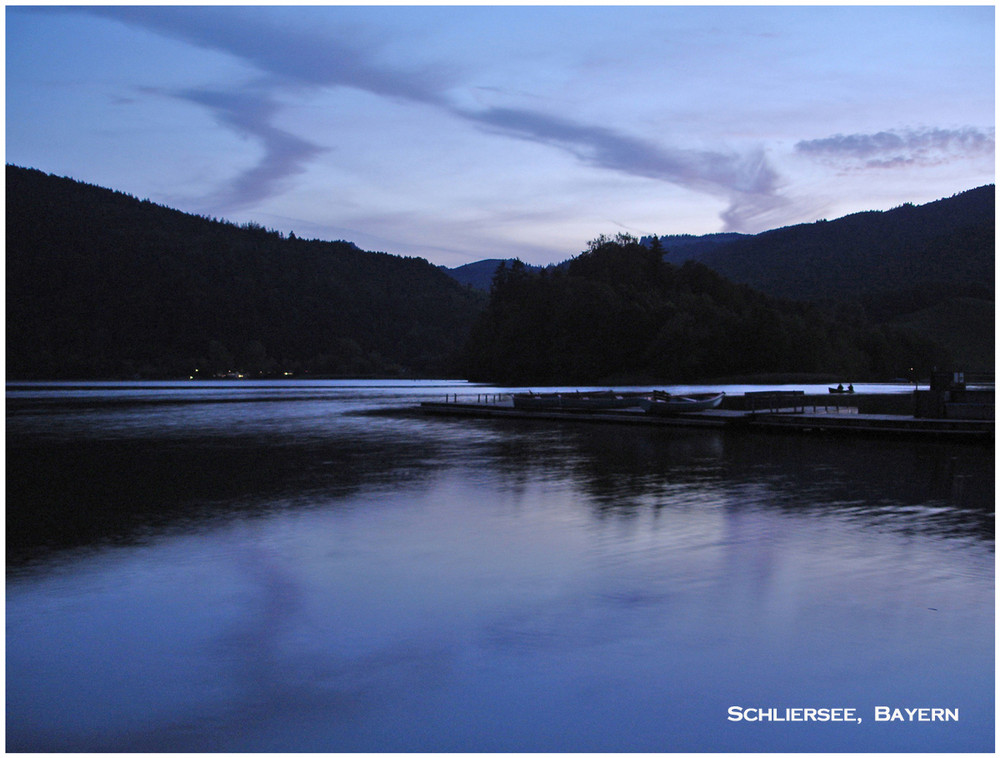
x: 76, y: 478
x: 259, y: 576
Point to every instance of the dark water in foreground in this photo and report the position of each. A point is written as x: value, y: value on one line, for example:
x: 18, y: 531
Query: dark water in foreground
x: 241, y: 567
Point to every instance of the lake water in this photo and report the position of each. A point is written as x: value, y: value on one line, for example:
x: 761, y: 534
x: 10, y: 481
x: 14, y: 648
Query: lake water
x: 298, y: 566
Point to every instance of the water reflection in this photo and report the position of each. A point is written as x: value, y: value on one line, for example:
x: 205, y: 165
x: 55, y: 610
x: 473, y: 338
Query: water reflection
x: 932, y: 487
x: 308, y: 576
x: 84, y: 475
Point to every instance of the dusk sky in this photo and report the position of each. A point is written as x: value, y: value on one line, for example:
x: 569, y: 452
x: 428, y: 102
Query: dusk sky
x: 462, y: 133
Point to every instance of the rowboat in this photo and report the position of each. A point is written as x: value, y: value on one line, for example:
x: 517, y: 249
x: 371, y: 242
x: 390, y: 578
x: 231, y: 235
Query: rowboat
x: 597, y: 400
x: 839, y: 390
x: 665, y: 404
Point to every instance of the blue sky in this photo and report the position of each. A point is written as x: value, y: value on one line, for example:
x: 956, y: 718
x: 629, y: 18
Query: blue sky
x: 462, y: 133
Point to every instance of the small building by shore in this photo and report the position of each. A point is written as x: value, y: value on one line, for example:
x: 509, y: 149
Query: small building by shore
x: 950, y: 397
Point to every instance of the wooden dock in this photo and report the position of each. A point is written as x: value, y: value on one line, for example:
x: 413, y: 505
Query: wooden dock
x: 795, y: 418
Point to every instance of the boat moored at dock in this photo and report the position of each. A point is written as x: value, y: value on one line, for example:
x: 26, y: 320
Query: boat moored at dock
x: 665, y: 404
x: 578, y: 400
x: 754, y: 411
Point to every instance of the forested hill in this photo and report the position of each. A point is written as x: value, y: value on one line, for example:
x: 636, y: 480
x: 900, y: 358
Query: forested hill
x: 479, y: 275
x: 929, y: 268
x: 946, y: 242
x: 619, y: 311
x: 678, y: 248
x: 101, y: 284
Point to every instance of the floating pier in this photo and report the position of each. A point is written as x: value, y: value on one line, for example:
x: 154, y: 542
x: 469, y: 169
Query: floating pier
x: 781, y: 412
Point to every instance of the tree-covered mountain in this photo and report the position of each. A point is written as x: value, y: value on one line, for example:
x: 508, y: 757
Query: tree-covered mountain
x: 479, y: 274
x: 101, y: 284
x: 619, y: 310
x: 929, y: 268
x: 863, y: 255
x: 949, y: 241
x: 678, y: 248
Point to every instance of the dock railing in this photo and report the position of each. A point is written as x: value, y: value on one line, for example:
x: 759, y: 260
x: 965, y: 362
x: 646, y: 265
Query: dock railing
x: 787, y: 401
x: 797, y: 401
x: 483, y: 398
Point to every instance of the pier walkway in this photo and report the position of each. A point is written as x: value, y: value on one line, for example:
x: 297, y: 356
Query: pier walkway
x: 797, y: 418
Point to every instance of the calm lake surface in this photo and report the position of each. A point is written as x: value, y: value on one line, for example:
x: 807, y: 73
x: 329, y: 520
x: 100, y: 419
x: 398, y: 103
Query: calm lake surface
x: 299, y: 566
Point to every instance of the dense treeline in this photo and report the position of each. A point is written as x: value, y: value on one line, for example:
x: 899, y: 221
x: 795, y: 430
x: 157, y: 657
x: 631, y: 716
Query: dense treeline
x: 101, y: 284
x: 929, y: 268
x: 949, y: 241
x: 619, y: 310
x: 479, y: 275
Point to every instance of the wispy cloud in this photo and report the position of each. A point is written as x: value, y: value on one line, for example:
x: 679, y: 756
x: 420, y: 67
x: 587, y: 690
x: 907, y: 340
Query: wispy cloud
x: 908, y: 147
x: 287, y: 56
x: 287, y: 50
x: 284, y: 154
x: 292, y: 55
x: 747, y: 180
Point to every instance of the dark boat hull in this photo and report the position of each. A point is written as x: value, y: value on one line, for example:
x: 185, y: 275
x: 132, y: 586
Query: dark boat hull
x: 660, y: 405
x: 578, y: 401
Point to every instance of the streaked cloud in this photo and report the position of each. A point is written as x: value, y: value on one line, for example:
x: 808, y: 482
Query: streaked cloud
x: 286, y: 56
x: 484, y: 131
x: 284, y: 154
x: 291, y: 53
x: 748, y: 181
x: 889, y: 149
x: 311, y: 59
